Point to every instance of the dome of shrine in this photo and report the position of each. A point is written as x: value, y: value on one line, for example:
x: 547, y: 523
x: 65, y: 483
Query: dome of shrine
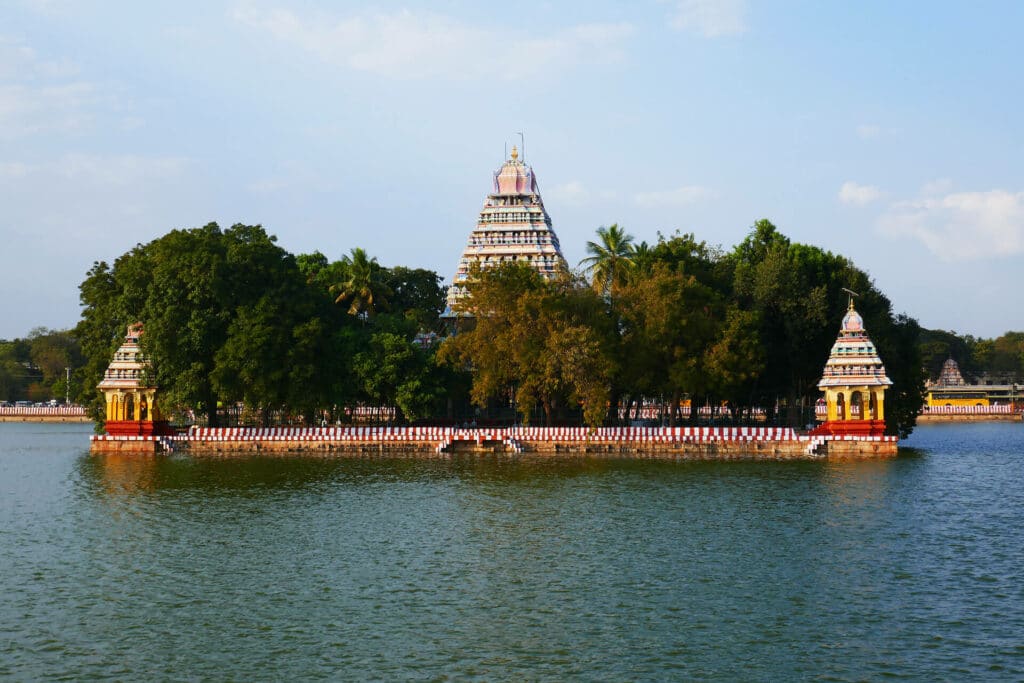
x: 514, y: 177
x: 854, y: 360
x: 852, y: 322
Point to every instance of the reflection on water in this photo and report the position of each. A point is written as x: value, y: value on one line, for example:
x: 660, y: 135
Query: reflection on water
x: 116, y: 474
x: 267, y: 568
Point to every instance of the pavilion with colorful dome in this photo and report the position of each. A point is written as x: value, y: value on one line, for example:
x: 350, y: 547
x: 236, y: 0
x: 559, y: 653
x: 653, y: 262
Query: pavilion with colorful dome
x: 513, y: 226
x: 854, y: 382
x: 131, y: 404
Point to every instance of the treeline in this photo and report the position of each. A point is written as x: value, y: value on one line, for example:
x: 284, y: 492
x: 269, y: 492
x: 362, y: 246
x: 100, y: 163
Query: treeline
x: 747, y: 328
x: 233, y: 319
x: 35, y: 368
x: 999, y: 360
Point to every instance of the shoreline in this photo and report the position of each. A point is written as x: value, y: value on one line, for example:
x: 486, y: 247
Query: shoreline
x: 926, y: 418
x: 79, y: 419
x: 680, y: 443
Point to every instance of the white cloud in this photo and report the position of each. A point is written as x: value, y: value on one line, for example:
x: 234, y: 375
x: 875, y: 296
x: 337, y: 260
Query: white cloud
x: 936, y: 187
x: 406, y: 44
x: 961, y: 226
x: 293, y: 175
x: 868, y: 131
x: 123, y: 169
x: 572, y: 192
x: 108, y: 171
x: 42, y: 96
x: 14, y: 169
x: 25, y: 110
x: 19, y: 61
x: 710, y: 18
x: 49, y: 7
x: 858, y: 195
x: 681, y: 196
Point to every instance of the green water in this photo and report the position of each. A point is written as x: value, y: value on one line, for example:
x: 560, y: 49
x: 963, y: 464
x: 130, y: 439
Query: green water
x: 272, y: 569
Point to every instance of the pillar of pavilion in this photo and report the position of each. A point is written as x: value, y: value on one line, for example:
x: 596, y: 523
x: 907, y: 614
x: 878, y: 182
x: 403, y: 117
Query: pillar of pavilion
x: 131, y: 405
x: 854, y: 383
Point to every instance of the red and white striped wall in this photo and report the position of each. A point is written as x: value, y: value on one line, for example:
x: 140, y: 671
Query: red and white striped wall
x: 1004, y: 409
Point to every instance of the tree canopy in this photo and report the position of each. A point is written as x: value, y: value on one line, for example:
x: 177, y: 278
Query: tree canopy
x: 750, y: 328
x: 232, y: 318
x: 233, y: 321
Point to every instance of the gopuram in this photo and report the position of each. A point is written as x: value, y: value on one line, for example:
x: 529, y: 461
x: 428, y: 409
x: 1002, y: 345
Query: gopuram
x: 854, y: 383
x: 131, y: 408
x: 950, y: 375
x: 512, y: 226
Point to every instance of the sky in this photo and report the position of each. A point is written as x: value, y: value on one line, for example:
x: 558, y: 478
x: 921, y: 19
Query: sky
x: 887, y: 132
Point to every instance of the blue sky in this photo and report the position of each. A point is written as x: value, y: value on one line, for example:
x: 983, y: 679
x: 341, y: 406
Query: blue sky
x: 887, y: 132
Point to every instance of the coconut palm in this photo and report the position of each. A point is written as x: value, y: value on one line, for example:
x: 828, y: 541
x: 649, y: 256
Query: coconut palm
x: 361, y: 286
x: 642, y: 257
x: 610, y: 259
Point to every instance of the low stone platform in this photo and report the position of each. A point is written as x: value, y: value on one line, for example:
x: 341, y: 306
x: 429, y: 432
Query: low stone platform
x: 680, y: 443
x: 106, y: 443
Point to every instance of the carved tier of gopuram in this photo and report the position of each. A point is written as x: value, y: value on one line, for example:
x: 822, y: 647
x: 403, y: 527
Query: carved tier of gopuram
x: 854, y: 383
x: 513, y: 226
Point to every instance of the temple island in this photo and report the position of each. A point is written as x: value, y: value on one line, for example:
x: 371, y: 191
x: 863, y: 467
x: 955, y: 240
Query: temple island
x: 514, y: 226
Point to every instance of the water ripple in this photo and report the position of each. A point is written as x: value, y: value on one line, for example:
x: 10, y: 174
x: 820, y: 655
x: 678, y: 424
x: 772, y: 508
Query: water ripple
x: 266, y: 568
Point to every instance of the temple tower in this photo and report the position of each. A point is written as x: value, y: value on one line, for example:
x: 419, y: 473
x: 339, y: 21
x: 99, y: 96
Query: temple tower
x: 513, y: 226
x: 130, y: 400
x: 950, y: 375
x: 854, y: 382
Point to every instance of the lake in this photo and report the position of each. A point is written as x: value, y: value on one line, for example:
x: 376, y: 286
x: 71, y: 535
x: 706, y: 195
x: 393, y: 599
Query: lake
x: 174, y: 568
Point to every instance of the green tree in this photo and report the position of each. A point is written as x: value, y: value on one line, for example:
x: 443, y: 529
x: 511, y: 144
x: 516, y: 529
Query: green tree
x: 668, y: 320
x: 361, y: 286
x: 797, y: 292
x: 416, y: 294
x: 897, y: 341
x: 642, y: 257
x: 609, y: 263
x: 736, y: 358
x: 532, y: 339
x: 219, y: 308
x: 794, y: 290
x: 54, y: 353
x: 393, y: 372
x: 14, y: 376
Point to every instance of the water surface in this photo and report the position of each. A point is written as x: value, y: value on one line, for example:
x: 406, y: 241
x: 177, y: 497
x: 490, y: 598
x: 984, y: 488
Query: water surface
x: 171, y: 568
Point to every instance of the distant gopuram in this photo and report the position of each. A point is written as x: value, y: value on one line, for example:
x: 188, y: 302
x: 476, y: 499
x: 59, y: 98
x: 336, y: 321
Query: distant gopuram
x: 950, y: 375
x: 513, y: 226
x: 131, y: 402
x: 854, y: 383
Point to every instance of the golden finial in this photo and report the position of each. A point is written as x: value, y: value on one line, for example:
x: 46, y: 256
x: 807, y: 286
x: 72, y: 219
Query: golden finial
x: 852, y: 294
x: 515, y: 153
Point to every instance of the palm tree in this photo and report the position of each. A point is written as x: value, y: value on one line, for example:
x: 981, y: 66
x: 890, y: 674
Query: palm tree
x: 642, y: 257
x: 610, y: 259
x: 361, y: 286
